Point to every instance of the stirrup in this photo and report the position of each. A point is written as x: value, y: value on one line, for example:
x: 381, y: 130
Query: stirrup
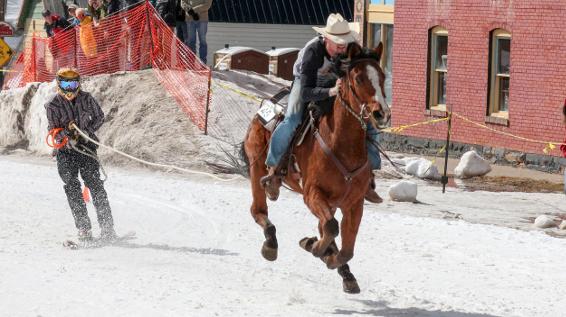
x: 271, y: 184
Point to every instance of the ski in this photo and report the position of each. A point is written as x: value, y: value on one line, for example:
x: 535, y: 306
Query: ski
x: 97, y: 242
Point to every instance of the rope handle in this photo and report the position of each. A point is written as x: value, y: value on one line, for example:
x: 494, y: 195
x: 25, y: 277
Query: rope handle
x: 51, y: 139
x: 165, y: 166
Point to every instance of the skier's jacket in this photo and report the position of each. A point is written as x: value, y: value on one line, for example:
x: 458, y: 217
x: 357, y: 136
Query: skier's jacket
x: 84, y: 110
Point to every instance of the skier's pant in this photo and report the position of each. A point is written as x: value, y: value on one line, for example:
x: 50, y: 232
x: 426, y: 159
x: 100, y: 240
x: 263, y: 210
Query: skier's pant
x: 69, y: 164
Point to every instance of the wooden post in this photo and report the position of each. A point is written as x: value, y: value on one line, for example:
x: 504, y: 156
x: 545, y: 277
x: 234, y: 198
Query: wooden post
x: 360, y: 16
x: 147, y: 4
x: 444, y: 178
x: 33, y: 57
x: 207, y: 103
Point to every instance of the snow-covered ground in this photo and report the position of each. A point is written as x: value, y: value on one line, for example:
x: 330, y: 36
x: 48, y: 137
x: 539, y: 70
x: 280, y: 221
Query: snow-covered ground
x: 459, y: 254
x: 197, y: 253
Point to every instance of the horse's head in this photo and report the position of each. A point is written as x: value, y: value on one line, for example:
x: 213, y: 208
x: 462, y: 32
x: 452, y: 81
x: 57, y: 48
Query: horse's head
x: 365, y: 83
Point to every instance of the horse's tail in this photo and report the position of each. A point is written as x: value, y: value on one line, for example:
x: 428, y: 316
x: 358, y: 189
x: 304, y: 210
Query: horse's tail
x: 244, y: 158
x: 233, y: 162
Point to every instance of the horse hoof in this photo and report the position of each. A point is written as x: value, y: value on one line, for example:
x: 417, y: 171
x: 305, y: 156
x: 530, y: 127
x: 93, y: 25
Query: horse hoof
x: 351, y: 286
x: 268, y: 253
x: 272, y: 195
x: 307, y: 243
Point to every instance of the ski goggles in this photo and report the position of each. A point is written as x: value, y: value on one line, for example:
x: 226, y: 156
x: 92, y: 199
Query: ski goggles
x: 69, y: 84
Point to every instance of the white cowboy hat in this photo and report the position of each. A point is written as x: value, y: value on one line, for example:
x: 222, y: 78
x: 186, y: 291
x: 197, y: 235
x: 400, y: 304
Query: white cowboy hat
x: 339, y: 30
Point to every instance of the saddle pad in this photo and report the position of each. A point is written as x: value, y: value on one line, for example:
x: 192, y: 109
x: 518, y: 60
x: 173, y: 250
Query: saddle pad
x: 269, y: 113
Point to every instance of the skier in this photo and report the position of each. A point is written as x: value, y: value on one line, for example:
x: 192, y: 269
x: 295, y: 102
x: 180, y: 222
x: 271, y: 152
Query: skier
x: 72, y: 106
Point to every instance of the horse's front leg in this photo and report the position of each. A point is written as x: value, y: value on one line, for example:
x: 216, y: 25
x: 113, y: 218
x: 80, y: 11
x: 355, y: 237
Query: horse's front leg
x: 328, y: 226
x: 349, y: 282
x: 351, y: 218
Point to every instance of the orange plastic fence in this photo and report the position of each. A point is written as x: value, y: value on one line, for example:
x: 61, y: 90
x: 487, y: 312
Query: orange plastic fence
x: 127, y: 41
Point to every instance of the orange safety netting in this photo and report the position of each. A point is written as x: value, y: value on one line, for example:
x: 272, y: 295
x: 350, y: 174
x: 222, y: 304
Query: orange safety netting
x: 127, y: 41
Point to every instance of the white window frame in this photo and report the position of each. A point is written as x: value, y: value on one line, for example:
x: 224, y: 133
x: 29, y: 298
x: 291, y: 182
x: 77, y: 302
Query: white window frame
x: 436, y: 70
x: 494, y: 109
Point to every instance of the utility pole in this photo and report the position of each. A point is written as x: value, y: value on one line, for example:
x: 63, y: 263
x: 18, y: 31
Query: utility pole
x: 2, y: 16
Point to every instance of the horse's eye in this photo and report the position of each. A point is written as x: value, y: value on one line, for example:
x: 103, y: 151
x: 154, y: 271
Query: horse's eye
x: 359, y: 80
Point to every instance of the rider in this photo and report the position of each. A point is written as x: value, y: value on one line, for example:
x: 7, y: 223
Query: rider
x: 70, y: 107
x: 314, y: 82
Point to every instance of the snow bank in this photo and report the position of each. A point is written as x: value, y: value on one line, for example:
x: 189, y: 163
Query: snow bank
x: 403, y: 191
x: 544, y: 222
x: 471, y: 164
x: 36, y: 121
x: 14, y: 108
x: 562, y: 225
x: 142, y: 119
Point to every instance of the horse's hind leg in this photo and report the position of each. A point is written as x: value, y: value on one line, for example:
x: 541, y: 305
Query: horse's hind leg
x: 259, y: 208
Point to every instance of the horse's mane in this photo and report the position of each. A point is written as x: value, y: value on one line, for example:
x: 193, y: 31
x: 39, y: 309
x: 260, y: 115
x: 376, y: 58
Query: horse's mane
x: 354, y: 52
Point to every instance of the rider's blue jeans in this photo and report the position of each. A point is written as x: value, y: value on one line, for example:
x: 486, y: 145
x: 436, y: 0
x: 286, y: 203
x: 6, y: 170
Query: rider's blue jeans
x: 283, y: 134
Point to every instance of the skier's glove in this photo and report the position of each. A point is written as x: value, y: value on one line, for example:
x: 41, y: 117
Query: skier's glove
x: 71, y: 132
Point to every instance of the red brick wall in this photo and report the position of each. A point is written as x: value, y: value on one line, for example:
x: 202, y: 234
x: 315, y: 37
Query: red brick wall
x: 538, y: 68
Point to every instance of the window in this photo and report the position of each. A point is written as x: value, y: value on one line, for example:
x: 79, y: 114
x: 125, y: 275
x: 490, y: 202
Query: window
x: 438, y: 69
x: 500, y: 64
x: 384, y: 33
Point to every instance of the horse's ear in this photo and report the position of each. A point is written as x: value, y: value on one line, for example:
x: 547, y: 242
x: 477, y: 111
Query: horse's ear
x: 378, y: 51
x: 354, y: 49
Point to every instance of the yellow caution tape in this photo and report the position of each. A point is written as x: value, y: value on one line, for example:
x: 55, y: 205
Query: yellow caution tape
x: 404, y: 127
x: 240, y: 92
x: 549, y: 145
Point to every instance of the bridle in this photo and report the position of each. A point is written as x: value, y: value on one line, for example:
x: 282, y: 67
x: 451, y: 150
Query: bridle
x: 361, y: 117
x: 364, y: 115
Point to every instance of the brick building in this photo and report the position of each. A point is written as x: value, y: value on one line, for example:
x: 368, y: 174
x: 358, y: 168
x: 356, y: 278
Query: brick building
x: 501, y: 63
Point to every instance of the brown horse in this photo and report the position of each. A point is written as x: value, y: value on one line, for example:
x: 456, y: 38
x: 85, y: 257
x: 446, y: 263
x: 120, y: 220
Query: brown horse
x: 333, y: 163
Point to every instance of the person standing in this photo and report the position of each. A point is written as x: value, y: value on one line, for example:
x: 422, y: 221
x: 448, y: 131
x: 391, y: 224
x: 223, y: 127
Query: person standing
x: 197, y: 17
x: 167, y: 11
x: 182, y: 27
x: 69, y: 107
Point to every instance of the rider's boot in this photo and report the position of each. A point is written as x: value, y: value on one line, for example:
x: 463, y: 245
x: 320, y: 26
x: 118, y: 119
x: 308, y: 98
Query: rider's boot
x: 371, y: 195
x: 271, y: 183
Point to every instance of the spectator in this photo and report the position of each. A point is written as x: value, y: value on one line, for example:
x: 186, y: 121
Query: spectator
x: 182, y: 27
x: 134, y: 3
x: 54, y: 23
x: 113, y: 6
x: 197, y: 15
x: 97, y: 9
x: 86, y: 33
x: 72, y: 10
x: 167, y: 9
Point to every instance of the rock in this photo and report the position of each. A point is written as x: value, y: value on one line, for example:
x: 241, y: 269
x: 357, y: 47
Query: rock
x: 544, y: 221
x: 471, y: 164
x: 562, y: 225
x: 427, y: 170
x: 403, y: 191
x: 412, y: 166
